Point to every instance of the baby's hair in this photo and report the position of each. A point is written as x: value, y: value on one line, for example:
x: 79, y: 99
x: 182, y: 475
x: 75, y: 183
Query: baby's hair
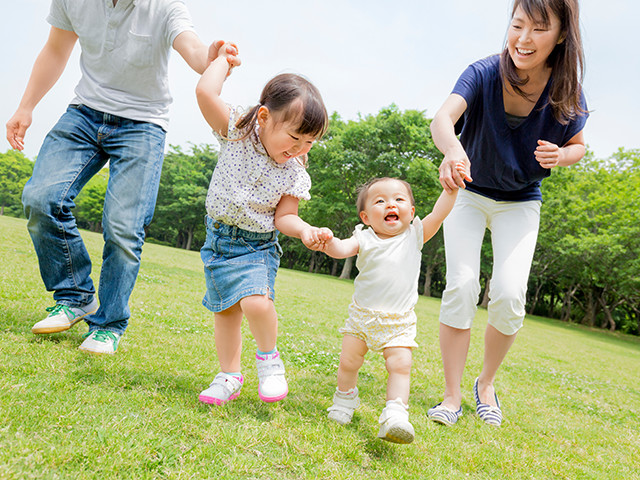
x: 290, y: 98
x: 363, y: 191
x: 566, y: 60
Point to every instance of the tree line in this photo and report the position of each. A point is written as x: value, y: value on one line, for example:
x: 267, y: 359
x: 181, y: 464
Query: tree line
x: 586, y: 268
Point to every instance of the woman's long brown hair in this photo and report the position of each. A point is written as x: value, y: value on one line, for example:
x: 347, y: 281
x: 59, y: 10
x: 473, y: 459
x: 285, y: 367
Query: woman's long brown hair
x: 566, y: 60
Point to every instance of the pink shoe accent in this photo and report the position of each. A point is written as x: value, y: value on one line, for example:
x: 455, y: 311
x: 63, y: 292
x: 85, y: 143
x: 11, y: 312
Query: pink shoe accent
x: 217, y: 401
x: 213, y: 400
x: 272, y: 384
x: 273, y: 399
x: 271, y: 356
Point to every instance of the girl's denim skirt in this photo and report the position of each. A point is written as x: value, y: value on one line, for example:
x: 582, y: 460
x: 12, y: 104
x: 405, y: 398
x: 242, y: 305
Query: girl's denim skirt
x: 237, y: 264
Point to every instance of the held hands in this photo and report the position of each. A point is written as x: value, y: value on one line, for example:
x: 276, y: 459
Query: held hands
x: 315, y: 238
x: 454, y: 169
x: 463, y: 169
x: 227, y: 50
x: 17, y: 127
x: 548, y: 154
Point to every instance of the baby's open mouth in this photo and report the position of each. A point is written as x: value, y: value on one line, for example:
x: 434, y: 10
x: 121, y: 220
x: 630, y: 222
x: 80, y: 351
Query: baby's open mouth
x: 392, y: 217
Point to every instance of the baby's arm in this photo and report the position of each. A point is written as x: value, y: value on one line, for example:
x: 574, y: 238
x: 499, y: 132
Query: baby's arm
x: 337, y: 248
x: 315, y: 238
x: 213, y: 108
x: 431, y: 223
x: 324, y: 241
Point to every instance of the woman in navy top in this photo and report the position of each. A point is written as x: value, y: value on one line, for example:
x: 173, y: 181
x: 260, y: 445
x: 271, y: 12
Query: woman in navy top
x: 519, y: 114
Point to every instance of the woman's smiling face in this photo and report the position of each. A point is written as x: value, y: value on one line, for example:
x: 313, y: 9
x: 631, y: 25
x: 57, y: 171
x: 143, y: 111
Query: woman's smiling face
x: 530, y: 41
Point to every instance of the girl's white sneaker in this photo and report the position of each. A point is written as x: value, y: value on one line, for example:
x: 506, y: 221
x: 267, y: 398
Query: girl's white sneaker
x: 224, y: 388
x: 272, y: 386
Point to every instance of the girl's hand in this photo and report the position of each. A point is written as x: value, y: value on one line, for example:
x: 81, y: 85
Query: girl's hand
x: 228, y: 50
x: 454, y: 169
x: 548, y: 154
x: 315, y: 238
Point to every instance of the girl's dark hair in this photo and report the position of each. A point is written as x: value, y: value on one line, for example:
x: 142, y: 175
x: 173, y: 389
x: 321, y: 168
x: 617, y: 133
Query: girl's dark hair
x: 363, y: 191
x: 566, y: 60
x: 290, y: 97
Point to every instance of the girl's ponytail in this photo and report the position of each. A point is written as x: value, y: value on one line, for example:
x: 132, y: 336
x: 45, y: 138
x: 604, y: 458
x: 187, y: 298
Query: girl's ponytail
x: 292, y: 98
x: 248, y: 120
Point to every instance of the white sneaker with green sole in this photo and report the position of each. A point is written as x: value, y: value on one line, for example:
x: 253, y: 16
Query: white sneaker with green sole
x: 62, y: 317
x: 100, y: 341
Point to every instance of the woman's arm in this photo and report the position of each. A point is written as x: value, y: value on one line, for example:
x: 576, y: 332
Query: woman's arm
x: 444, y: 136
x: 549, y: 155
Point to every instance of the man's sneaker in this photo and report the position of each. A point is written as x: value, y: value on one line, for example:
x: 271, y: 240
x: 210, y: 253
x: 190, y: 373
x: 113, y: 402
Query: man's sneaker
x: 343, y: 406
x: 272, y: 386
x: 394, y: 423
x: 100, y: 341
x: 224, y: 388
x: 62, y: 317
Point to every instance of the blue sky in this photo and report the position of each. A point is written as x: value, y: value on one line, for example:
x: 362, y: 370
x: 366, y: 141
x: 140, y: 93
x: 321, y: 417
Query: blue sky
x: 362, y: 55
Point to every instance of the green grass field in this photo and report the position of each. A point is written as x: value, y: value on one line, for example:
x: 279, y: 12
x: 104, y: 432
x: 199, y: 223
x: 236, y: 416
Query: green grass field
x: 570, y: 395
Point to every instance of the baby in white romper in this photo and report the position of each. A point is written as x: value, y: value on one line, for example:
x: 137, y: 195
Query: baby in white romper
x: 381, y: 315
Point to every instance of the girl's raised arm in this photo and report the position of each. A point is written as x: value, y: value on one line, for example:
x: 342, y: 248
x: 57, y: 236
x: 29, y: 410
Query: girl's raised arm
x: 213, y: 108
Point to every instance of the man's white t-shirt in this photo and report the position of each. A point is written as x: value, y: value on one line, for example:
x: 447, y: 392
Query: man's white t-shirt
x: 125, y: 53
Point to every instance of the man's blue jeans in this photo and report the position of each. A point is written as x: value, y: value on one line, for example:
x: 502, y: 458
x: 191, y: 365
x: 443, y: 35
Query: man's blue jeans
x: 77, y: 147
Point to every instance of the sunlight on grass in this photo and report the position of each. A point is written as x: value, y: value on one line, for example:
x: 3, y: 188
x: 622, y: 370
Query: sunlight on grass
x: 570, y: 395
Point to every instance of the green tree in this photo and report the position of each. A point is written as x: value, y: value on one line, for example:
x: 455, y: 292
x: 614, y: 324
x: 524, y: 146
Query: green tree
x: 180, y: 208
x: 391, y: 143
x: 423, y: 177
x: 15, y: 170
x: 587, y: 258
x: 90, y: 202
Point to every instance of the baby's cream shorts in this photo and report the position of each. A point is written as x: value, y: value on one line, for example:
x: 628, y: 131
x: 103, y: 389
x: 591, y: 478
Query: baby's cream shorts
x: 380, y: 330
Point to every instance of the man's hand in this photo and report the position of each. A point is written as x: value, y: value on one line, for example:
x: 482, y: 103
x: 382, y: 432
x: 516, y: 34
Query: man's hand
x: 17, y: 127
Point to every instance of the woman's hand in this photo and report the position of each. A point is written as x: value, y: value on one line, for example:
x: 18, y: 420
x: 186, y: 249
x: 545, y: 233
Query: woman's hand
x: 548, y: 154
x: 454, y: 169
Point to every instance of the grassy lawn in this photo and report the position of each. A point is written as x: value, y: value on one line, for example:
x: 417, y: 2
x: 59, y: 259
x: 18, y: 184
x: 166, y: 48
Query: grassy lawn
x: 570, y: 395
